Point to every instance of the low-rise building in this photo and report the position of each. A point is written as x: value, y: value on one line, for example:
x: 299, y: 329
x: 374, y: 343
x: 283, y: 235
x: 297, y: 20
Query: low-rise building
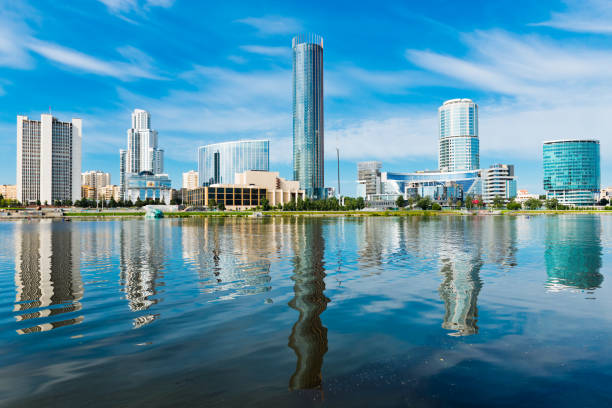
x: 233, y: 197
x: 278, y: 190
x: 606, y: 193
x: 498, y: 181
x: 524, y: 195
x: 8, y: 191
x: 146, y: 185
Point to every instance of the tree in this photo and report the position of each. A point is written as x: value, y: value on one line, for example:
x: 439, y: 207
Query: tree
x: 604, y: 201
x: 533, y: 203
x: 469, y: 202
x: 265, y: 204
x: 498, y: 202
x: 400, y: 202
x: 221, y: 206
x: 139, y: 203
x: 436, y: 207
x: 424, y: 203
x: 552, y: 203
x: 513, y: 205
x: 212, y: 204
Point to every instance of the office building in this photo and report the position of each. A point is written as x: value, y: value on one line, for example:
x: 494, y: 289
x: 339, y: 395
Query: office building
x: 8, y: 191
x: 368, y: 174
x: 142, y: 153
x: 48, y: 159
x: 232, y: 196
x: 458, y: 143
x: 308, y: 129
x: 218, y: 163
x: 146, y: 185
x: 278, y: 190
x: 572, y: 171
x: 498, y: 181
x: 190, y: 180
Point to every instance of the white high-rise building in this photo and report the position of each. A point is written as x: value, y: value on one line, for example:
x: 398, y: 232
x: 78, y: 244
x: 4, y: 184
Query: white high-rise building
x: 459, y: 148
x: 142, y: 152
x: 190, y: 180
x: 48, y: 159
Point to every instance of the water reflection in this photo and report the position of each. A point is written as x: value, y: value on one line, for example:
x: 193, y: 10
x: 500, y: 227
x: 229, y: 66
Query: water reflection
x: 47, y: 274
x: 573, y: 252
x: 308, y: 337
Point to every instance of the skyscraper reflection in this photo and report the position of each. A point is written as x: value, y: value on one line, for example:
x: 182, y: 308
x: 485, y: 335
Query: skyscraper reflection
x: 47, y: 274
x: 308, y: 337
x: 573, y: 252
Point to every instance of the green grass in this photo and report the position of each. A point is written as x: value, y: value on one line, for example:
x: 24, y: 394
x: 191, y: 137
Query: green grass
x: 104, y: 214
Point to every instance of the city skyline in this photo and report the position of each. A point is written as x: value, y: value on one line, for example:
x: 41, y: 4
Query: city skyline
x: 381, y: 92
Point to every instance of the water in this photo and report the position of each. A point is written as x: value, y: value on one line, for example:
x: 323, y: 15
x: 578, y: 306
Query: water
x: 422, y: 312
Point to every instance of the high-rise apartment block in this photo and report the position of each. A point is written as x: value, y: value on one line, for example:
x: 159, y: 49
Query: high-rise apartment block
x: 48, y: 159
x: 308, y: 153
x: 95, y: 179
x: 458, y: 142
x: 190, y: 180
x: 8, y: 191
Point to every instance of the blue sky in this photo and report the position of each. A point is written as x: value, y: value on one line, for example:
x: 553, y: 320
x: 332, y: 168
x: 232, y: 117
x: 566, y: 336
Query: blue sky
x: 217, y: 71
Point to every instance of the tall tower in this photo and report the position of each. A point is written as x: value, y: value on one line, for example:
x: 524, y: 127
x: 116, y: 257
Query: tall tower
x: 459, y: 143
x: 308, y: 155
x: 142, y: 152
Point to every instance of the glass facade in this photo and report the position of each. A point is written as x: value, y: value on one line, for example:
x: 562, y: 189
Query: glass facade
x: 230, y: 196
x: 459, y: 148
x: 148, y: 185
x: 436, y: 185
x: 218, y: 163
x: 572, y: 171
x: 308, y: 155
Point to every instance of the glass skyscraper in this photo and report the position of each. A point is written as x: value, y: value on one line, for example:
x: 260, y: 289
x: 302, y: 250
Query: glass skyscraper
x: 308, y: 156
x: 459, y: 145
x: 571, y: 171
x: 218, y: 163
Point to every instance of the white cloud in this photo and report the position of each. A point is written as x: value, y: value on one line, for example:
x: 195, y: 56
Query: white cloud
x: 267, y: 50
x: 124, y: 6
x: 584, y: 16
x: 271, y: 25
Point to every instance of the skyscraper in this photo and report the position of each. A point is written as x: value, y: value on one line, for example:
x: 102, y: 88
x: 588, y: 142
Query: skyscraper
x: 459, y: 145
x: 48, y: 159
x: 308, y: 154
x: 142, y: 152
x: 572, y: 171
x: 219, y: 162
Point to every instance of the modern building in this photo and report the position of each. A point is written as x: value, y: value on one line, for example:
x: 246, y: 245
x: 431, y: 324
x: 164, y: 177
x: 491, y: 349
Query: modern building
x: 143, y: 153
x: 572, y: 171
x: 459, y: 144
x: 524, y: 195
x: 308, y: 129
x: 604, y: 193
x: 110, y: 191
x: 8, y: 191
x: 190, y: 180
x: 278, y: 190
x: 48, y: 159
x: 498, y: 181
x: 146, y: 185
x: 233, y: 197
x: 439, y: 186
x: 368, y: 175
x: 218, y: 163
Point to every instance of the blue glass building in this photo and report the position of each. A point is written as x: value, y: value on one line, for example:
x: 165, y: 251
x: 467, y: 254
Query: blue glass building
x: 459, y: 148
x: 572, y: 171
x: 308, y: 156
x: 218, y: 163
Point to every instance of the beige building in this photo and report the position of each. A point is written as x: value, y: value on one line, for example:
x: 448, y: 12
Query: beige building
x: 8, y: 191
x: 278, y: 190
x: 108, y: 192
x: 88, y: 192
x: 190, y: 180
x: 96, y: 179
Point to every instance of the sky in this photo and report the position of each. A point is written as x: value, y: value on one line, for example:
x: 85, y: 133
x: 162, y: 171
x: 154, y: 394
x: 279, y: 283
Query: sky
x: 218, y: 71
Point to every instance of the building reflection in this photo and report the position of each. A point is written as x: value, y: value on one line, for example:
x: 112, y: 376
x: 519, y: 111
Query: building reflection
x: 573, y: 252
x: 141, y: 264
x: 308, y: 337
x: 47, y: 274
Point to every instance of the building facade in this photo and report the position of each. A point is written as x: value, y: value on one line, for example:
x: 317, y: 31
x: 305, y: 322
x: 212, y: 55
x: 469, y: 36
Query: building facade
x: 48, y: 159
x: 233, y: 197
x: 95, y: 179
x: 110, y: 191
x: 308, y: 125
x: 498, y: 181
x: 190, y: 180
x: 278, y: 190
x: 524, y: 195
x: 8, y: 191
x: 572, y: 171
x: 439, y: 186
x: 142, y: 153
x: 459, y: 146
x: 146, y: 185
x: 218, y: 163
x: 368, y: 174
